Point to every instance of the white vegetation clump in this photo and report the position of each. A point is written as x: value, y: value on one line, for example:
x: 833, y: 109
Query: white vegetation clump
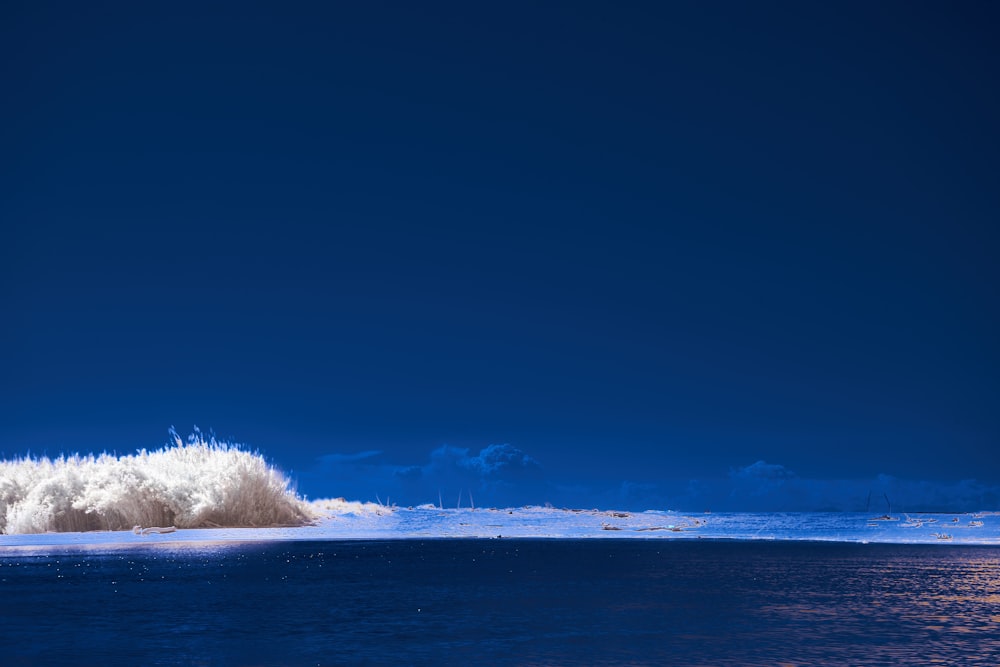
x: 203, y: 483
x: 350, y: 507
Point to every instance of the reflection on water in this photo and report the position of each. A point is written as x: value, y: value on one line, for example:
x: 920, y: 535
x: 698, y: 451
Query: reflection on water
x: 881, y: 606
x: 509, y: 602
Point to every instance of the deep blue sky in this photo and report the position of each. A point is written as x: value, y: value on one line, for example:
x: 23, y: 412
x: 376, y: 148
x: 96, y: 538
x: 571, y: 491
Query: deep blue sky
x: 640, y: 243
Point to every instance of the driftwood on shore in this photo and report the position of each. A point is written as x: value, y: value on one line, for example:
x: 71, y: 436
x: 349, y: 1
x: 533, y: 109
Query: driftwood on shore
x: 139, y: 530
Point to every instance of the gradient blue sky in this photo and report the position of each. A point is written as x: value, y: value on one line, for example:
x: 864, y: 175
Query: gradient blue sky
x: 644, y: 245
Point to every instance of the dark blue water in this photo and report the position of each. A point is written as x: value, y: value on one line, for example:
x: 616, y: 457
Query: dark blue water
x: 516, y: 602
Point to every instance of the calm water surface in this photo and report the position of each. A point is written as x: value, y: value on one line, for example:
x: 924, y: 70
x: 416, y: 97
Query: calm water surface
x: 513, y: 602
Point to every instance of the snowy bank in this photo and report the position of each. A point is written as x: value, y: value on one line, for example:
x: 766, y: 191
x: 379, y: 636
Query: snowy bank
x: 342, y: 520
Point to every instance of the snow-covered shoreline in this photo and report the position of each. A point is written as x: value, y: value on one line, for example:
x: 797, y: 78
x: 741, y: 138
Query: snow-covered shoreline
x: 357, y: 521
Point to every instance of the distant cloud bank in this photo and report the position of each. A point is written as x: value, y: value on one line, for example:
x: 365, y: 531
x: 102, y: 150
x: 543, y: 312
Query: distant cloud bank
x: 769, y: 487
x: 498, y: 475
x: 502, y: 475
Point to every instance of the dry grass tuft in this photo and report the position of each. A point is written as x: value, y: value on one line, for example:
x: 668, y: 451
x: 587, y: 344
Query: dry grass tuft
x: 201, y: 483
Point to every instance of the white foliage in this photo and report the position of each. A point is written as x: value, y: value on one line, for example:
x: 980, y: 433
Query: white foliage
x: 194, y: 485
x: 339, y: 506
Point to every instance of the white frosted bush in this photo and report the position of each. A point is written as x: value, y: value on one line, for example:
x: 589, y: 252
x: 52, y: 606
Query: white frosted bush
x: 194, y: 485
x: 355, y: 507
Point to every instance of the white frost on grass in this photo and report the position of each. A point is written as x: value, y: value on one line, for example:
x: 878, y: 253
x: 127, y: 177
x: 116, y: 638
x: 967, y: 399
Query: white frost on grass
x: 202, y: 483
x: 339, y: 506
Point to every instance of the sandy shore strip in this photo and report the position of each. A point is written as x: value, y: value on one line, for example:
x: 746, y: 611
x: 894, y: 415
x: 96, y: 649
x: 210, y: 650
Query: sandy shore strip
x: 369, y: 521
